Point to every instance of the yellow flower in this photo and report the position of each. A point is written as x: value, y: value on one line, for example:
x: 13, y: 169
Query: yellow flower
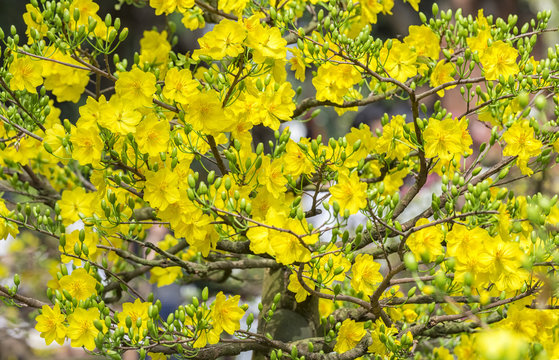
x: 152, y: 135
x: 287, y: 248
x: 26, y: 74
x: 136, y: 87
x: 161, y: 188
x: 193, y: 19
x: 399, y: 61
x: 226, y: 313
x: 87, y: 145
x: 232, y: 6
x: 277, y: 105
x: 521, y: 142
x: 368, y: 143
x: 91, y: 240
x: 164, y: 276
x: 169, y: 6
x: 226, y: 39
x: 442, y: 353
x: 392, y: 141
x: 119, y: 116
x: 466, y: 350
x: 502, y: 261
x: 205, y: 114
x: 34, y: 21
x: 349, y: 192
x: 54, y: 141
x: 427, y: 241
x: 461, y: 240
x: 266, y: 43
x: 295, y: 162
x: 137, y: 310
x: 441, y: 139
x: 442, y: 74
x: 365, y: 274
x: 66, y: 82
x: 499, y: 59
x: 6, y: 227
x: 79, y: 284
x: 154, y: 49
x: 501, y: 344
x: 206, y: 336
x: 423, y: 41
x: 349, y: 335
x: 298, y: 64
x: 179, y: 85
x: 414, y: 4
x: 296, y: 287
x: 332, y: 82
x: 371, y: 8
x: 90, y: 112
x: 271, y: 176
x: 81, y: 330
x: 73, y: 202
x: 51, y: 324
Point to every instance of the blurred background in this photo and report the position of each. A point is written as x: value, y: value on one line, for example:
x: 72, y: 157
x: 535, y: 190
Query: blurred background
x: 18, y: 340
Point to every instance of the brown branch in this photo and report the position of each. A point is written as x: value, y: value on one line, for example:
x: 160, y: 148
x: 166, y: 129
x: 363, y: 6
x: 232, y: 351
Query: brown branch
x: 34, y: 303
x: 23, y: 130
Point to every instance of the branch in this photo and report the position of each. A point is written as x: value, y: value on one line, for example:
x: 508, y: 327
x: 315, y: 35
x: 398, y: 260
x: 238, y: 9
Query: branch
x: 22, y: 299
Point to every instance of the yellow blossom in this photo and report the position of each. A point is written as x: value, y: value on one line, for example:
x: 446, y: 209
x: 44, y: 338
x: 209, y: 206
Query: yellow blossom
x: 521, y: 142
x: 349, y: 192
x: 34, y: 21
x: 423, y: 41
x: 399, y: 61
x: 193, y: 19
x: 119, y: 116
x: 81, y: 330
x: 161, y: 188
x: 154, y: 48
x: 136, y: 87
x: 26, y: 74
x: 392, y: 141
x: 87, y: 145
x: 349, y: 335
x: 152, y: 135
x: 271, y: 176
x: 232, y: 6
x: 138, y: 312
x: 51, y: 324
x: 54, y: 141
x: 6, y: 227
x: 226, y: 313
x: 442, y: 140
x: 296, y: 287
x: 179, y: 85
x: 414, y: 4
x: 371, y: 8
x: 266, y: 43
x: 73, y: 202
x: 442, y: 74
x: 295, y: 162
x: 499, y: 59
x: 169, y: 6
x: 67, y: 83
x: 225, y: 39
x: 365, y: 274
x: 427, y: 241
x: 79, y: 284
x: 332, y: 82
